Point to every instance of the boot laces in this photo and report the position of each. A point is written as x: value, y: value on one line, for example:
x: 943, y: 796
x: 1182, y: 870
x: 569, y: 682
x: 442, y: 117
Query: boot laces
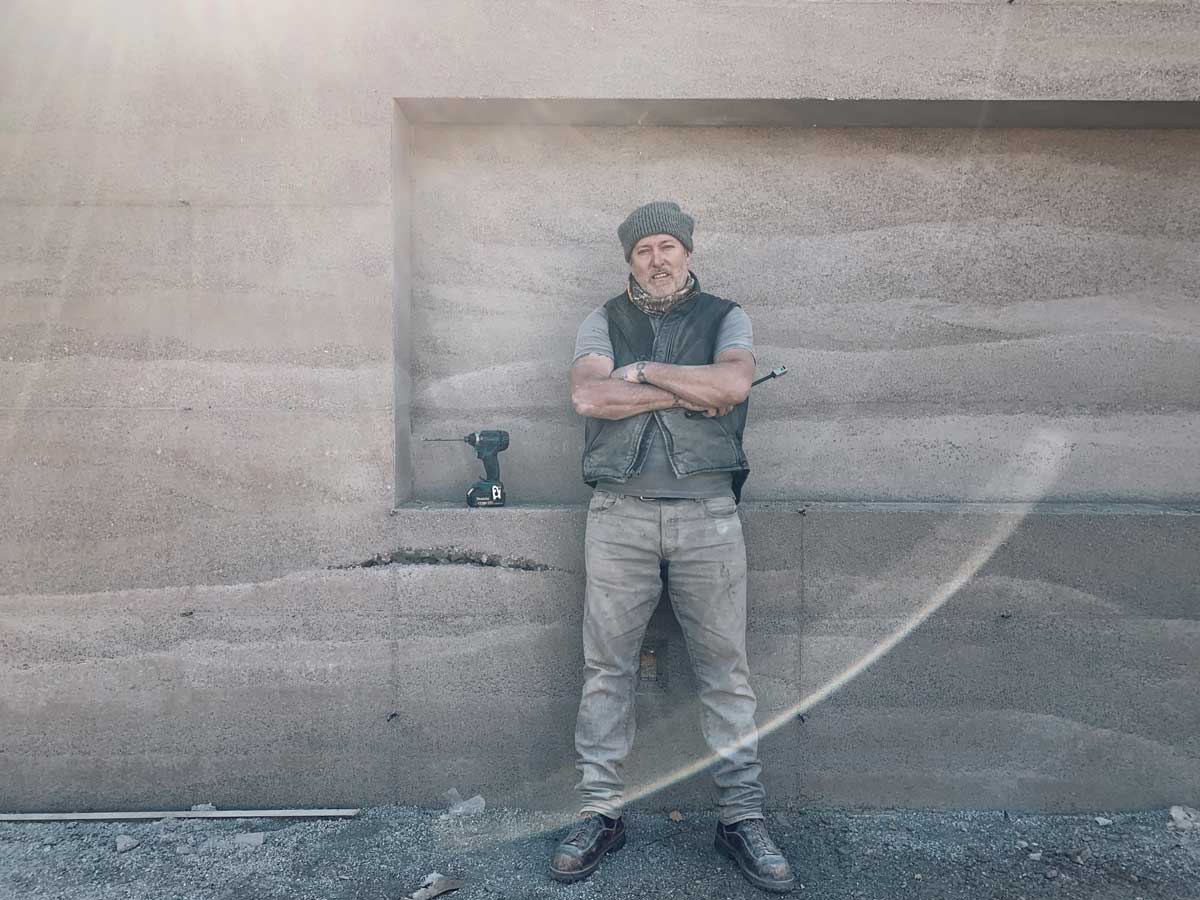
x: 755, y: 833
x: 582, y: 832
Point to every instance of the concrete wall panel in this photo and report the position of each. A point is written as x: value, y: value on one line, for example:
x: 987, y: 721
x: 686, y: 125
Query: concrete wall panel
x: 1052, y: 652
x: 195, y: 354
x: 117, y: 497
x: 256, y: 674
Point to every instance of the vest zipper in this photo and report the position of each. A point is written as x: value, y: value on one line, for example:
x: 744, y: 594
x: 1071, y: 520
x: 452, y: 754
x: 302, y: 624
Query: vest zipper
x: 662, y: 428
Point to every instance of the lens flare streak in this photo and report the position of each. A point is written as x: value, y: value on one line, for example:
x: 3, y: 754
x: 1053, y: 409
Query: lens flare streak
x: 1030, y: 474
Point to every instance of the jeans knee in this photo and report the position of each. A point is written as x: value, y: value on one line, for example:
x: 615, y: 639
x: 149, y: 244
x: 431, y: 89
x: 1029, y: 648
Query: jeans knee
x: 607, y: 671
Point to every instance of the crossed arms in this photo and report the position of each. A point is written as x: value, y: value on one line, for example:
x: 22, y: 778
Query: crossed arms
x: 602, y: 392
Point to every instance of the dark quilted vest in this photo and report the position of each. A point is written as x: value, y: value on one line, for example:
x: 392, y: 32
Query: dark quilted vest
x: 687, y: 337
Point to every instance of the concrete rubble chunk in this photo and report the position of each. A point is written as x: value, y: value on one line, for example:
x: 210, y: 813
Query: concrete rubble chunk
x: 434, y: 885
x: 1184, y: 818
x: 452, y: 797
x: 204, y: 807
x: 1103, y: 822
x: 472, y: 807
x: 125, y: 843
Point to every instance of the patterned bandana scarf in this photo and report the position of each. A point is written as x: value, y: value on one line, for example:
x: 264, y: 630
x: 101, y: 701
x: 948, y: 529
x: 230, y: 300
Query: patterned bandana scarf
x: 658, y: 306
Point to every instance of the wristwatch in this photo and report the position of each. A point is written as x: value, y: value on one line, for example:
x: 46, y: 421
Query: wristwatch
x: 640, y: 370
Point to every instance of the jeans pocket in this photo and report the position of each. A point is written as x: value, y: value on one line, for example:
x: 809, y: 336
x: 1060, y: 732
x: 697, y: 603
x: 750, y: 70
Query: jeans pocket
x: 602, y: 501
x: 720, y: 507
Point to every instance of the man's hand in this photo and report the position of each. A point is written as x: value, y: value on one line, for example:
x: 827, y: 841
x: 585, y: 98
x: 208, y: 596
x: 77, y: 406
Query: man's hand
x: 709, y: 411
x: 626, y: 373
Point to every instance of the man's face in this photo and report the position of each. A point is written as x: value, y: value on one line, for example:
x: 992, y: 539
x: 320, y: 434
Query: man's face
x: 659, y: 263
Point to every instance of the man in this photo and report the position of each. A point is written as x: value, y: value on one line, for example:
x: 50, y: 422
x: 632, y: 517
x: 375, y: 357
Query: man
x: 662, y: 372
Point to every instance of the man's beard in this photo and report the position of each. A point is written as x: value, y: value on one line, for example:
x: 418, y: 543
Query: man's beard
x: 661, y: 288
x: 658, y: 306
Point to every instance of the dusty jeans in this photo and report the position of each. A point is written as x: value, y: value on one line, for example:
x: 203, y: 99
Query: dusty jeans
x: 702, y: 539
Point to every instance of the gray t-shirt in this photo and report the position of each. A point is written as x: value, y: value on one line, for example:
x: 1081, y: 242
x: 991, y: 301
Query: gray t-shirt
x: 656, y: 478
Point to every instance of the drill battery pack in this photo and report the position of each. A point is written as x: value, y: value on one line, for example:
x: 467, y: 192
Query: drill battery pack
x: 486, y: 493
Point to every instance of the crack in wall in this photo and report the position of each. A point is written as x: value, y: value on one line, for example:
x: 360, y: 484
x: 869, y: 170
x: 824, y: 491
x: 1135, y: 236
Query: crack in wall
x: 446, y: 556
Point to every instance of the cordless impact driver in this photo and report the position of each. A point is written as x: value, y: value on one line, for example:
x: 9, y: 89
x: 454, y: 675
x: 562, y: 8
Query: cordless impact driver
x: 488, y: 446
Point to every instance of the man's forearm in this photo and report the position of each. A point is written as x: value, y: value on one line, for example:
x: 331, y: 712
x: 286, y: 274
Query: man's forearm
x: 614, y: 399
x: 709, y: 386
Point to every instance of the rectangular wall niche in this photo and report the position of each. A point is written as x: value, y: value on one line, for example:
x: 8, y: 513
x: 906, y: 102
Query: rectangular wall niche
x: 839, y: 239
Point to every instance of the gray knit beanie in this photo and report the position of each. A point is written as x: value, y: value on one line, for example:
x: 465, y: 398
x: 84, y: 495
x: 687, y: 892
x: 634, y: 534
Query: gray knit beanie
x: 659, y: 217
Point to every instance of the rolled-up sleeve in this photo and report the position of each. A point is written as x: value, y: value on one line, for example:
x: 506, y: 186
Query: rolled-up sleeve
x: 593, y: 336
x: 735, y: 333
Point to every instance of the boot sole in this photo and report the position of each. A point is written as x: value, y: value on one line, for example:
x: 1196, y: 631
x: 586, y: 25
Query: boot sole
x: 571, y: 877
x: 763, y: 884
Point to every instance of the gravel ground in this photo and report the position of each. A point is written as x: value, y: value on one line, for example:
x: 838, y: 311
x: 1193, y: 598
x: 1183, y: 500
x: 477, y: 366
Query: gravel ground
x: 386, y: 852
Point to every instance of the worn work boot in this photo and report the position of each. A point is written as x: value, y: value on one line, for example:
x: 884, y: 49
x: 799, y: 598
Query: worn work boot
x: 750, y: 846
x: 582, y: 849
